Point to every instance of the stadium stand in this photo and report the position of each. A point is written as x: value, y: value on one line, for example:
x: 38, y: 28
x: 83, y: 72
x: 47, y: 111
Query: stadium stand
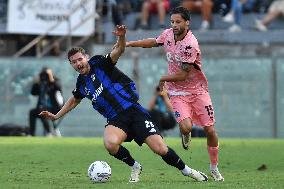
x: 130, y: 16
x: 218, y: 32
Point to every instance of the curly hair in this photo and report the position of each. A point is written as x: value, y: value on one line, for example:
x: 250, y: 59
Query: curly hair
x: 185, y: 13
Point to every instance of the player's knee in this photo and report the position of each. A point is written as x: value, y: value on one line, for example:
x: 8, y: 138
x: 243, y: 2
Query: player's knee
x: 210, y: 131
x: 111, y: 146
x: 185, y: 129
x: 146, y: 5
x: 185, y: 126
x: 160, y: 149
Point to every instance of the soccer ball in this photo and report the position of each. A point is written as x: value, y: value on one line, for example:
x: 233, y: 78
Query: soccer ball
x: 99, y: 171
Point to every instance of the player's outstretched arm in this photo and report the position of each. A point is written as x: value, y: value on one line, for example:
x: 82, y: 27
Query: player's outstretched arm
x: 119, y: 47
x: 179, y: 76
x: 71, y: 103
x: 145, y: 43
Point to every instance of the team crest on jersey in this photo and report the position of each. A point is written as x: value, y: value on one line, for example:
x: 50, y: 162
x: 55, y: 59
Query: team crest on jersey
x: 177, y: 114
x: 87, y: 91
x: 93, y: 77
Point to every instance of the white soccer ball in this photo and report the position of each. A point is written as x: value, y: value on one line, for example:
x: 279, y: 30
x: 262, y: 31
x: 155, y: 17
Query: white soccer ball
x: 99, y: 171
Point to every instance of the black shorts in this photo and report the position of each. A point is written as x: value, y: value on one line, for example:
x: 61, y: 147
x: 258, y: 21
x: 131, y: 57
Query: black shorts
x: 136, y: 123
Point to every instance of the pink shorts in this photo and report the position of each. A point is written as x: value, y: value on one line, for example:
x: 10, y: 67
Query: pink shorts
x: 198, y: 108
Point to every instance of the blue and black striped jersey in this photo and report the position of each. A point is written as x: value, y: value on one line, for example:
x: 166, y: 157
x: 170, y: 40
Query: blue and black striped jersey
x: 110, y: 90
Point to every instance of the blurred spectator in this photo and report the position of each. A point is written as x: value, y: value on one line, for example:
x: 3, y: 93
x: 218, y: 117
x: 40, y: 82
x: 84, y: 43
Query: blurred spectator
x: 52, y: 44
x: 152, y: 7
x: 203, y: 6
x: 119, y: 9
x: 262, y: 6
x: 49, y: 93
x: 236, y: 11
x: 161, y: 110
x: 111, y: 8
x: 275, y: 10
x: 221, y: 7
x: 55, y: 50
x: 174, y: 3
x: 136, y: 5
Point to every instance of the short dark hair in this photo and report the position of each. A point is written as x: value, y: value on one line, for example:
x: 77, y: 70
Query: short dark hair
x: 185, y: 13
x: 75, y: 50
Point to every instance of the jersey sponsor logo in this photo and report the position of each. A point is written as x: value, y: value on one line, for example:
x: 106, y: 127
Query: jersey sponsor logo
x: 172, y: 57
x: 97, y: 93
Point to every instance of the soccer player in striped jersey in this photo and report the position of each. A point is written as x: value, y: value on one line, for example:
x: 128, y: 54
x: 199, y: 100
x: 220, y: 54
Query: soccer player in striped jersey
x: 114, y: 96
x: 186, y: 83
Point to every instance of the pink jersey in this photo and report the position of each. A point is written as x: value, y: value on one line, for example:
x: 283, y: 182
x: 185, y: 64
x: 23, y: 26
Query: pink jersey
x: 184, y: 51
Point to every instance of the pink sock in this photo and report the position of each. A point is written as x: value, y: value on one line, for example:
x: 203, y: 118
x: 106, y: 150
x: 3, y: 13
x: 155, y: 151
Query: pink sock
x: 213, y: 155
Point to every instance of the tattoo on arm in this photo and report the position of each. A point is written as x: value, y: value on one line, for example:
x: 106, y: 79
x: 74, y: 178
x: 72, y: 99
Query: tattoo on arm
x: 185, y: 67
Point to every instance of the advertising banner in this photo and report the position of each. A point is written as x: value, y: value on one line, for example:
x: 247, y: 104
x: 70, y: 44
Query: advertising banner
x: 57, y: 17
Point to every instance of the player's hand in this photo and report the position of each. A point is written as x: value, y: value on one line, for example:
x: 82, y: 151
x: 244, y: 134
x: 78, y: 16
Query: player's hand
x: 163, y: 93
x: 127, y: 44
x: 120, y: 30
x: 161, y: 85
x: 50, y: 75
x: 47, y: 115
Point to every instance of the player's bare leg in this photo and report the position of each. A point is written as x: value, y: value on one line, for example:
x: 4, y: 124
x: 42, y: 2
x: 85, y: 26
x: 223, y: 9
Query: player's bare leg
x: 113, y: 138
x: 213, y: 150
x: 157, y: 145
x: 185, y: 127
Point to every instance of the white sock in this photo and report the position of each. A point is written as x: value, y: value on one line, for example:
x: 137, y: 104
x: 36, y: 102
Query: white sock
x: 213, y: 167
x: 136, y: 165
x: 186, y: 171
x: 205, y: 24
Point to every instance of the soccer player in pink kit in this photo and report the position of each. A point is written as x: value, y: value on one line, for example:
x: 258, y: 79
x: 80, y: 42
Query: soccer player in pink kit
x: 186, y: 83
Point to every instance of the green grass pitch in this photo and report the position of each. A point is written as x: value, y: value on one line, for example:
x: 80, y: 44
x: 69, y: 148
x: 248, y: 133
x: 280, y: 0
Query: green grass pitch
x: 62, y: 163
